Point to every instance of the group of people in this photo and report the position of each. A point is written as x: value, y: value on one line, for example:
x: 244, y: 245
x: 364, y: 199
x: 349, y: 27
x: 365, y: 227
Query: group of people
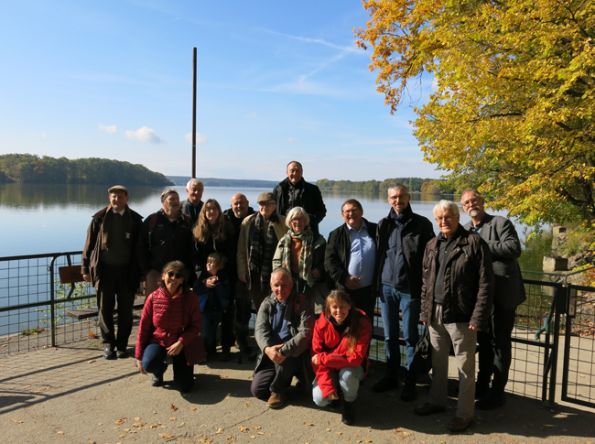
x: 204, y: 269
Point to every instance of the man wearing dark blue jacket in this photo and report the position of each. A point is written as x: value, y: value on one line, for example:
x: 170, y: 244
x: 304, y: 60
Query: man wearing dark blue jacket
x: 401, y: 239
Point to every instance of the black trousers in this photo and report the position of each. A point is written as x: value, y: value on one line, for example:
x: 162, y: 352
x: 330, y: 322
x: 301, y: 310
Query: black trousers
x: 495, y: 350
x: 273, y: 377
x: 364, y: 299
x: 114, y: 286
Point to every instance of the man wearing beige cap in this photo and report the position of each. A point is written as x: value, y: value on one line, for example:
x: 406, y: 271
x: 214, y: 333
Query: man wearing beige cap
x: 166, y: 236
x: 259, y: 234
x: 109, y: 262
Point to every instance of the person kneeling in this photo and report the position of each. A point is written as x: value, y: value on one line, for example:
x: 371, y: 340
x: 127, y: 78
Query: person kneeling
x: 170, y: 329
x: 283, y: 332
x: 340, y: 343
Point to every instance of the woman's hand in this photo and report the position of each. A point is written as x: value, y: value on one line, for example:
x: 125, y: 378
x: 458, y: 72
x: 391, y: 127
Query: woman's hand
x: 315, y: 360
x: 139, y: 364
x: 473, y: 327
x: 211, y: 281
x: 175, y: 348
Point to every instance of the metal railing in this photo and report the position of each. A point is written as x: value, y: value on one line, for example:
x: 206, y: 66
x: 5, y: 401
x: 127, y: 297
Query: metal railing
x: 554, y: 330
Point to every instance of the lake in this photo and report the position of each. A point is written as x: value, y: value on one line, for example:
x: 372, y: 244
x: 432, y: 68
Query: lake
x: 54, y: 218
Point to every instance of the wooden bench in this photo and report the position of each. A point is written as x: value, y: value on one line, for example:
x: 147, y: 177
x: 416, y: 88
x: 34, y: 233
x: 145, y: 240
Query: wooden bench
x: 71, y: 274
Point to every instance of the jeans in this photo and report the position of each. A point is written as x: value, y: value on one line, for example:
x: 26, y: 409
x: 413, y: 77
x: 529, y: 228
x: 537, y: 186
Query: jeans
x: 155, y: 361
x: 390, y: 303
x: 348, y: 379
x: 210, y: 322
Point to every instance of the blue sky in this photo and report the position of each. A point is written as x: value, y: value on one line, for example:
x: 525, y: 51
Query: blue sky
x: 276, y: 81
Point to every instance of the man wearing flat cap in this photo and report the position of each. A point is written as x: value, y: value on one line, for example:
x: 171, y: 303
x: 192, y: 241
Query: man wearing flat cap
x: 259, y: 234
x: 166, y: 236
x: 110, y: 263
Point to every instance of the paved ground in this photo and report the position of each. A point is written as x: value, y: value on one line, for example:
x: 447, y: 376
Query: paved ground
x: 72, y: 395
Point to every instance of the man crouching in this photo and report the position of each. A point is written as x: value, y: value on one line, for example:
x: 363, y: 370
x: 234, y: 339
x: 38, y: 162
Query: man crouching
x: 283, y: 332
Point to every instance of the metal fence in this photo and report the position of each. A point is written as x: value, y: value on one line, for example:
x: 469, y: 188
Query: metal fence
x: 34, y: 305
x: 553, y: 338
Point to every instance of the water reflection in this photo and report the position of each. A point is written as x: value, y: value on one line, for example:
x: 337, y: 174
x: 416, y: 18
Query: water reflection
x: 62, y: 196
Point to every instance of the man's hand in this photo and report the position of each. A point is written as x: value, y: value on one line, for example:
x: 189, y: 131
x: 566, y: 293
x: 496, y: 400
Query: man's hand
x: 273, y: 353
x: 139, y: 364
x: 86, y: 277
x: 353, y: 283
x: 473, y: 327
x: 175, y: 348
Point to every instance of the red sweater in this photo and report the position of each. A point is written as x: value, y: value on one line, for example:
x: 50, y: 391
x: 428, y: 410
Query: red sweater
x: 165, y: 320
x: 333, y: 351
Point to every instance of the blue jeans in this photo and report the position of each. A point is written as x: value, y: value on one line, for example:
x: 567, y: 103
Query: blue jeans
x: 348, y: 379
x: 391, y: 301
x: 155, y: 361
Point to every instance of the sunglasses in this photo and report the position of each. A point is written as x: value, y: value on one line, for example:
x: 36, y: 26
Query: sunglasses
x: 172, y: 274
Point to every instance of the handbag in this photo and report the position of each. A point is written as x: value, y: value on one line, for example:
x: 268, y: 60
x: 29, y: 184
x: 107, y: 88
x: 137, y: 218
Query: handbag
x: 422, y: 357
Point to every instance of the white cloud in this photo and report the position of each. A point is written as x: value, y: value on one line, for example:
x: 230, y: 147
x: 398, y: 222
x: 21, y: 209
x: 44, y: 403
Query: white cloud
x: 201, y: 139
x: 144, y: 134
x: 109, y: 129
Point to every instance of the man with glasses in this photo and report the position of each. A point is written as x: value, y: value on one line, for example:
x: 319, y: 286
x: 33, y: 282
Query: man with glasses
x: 495, y: 346
x: 350, y: 256
x: 401, y: 239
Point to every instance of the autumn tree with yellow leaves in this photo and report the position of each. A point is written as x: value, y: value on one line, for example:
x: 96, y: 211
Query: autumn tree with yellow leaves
x: 511, y: 111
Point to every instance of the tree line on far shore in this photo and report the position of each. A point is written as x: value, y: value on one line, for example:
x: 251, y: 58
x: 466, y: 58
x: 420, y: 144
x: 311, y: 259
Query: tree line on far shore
x: 28, y: 168
x: 379, y: 187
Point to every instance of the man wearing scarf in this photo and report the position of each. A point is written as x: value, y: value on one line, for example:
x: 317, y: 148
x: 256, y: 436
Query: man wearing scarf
x: 401, y: 239
x: 259, y: 235
x: 110, y: 263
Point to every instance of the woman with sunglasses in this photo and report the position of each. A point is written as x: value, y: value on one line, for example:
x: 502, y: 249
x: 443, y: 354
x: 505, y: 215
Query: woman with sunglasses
x: 170, y: 329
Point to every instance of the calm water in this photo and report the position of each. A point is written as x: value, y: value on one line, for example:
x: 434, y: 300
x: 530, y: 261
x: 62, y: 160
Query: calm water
x: 54, y: 218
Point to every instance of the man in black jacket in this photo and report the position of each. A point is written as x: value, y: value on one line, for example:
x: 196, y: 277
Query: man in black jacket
x: 401, y: 239
x: 294, y: 191
x: 495, y: 346
x: 110, y: 263
x: 350, y: 256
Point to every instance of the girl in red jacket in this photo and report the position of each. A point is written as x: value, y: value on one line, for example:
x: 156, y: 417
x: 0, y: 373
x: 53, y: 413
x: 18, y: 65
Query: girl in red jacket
x: 340, y: 343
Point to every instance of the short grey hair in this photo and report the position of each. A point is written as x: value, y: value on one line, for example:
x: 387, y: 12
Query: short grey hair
x: 284, y: 271
x: 297, y: 212
x: 193, y: 182
x: 447, y: 205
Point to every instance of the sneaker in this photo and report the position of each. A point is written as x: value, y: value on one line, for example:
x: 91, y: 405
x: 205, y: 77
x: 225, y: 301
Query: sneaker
x: 428, y: 409
x: 385, y: 384
x: 492, y: 401
x: 409, y: 392
x: 457, y: 425
x: 276, y: 401
x: 157, y: 381
x: 347, y: 417
x: 109, y: 352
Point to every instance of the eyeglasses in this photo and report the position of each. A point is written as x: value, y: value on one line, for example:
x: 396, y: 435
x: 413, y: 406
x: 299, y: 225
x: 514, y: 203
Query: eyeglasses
x: 173, y: 274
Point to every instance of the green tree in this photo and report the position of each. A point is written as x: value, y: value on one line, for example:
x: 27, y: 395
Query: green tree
x: 511, y: 111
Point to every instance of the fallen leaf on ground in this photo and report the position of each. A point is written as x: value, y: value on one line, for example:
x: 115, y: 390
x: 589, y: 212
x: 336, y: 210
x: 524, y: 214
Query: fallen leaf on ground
x: 120, y: 421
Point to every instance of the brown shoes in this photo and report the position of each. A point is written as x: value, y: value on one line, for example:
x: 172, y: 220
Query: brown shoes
x: 457, y: 425
x: 276, y: 401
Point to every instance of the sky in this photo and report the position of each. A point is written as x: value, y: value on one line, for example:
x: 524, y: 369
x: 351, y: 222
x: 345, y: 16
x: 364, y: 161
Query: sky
x: 277, y: 81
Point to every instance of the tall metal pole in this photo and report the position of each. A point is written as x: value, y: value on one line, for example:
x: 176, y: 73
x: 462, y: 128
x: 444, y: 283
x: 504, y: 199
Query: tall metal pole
x: 194, y: 112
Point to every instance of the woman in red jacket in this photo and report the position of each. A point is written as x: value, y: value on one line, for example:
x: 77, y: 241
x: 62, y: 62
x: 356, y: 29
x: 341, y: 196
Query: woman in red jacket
x: 170, y: 329
x: 340, y: 343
